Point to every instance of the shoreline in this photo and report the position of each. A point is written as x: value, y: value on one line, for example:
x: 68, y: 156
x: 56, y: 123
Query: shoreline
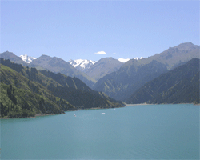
x: 142, y: 104
x: 139, y: 104
x: 98, y: 108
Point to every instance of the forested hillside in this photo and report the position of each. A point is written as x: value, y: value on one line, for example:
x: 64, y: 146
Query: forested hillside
x: 129, y: 78
x: 180, y: 85
x: 26, y: 91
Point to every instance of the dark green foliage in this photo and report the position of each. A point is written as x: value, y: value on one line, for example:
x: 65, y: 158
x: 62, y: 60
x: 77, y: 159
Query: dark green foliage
x: 10, y: 93
x: 26, y: 91
x: 23, y: 101
x: 180, y: 85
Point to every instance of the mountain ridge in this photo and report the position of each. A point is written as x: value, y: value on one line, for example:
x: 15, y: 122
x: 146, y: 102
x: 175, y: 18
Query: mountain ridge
x: 180, y: 85
x: 12, y: 57
x: 112, y: 77
x: 127, y: 79
x: 102, y: 67
x: 26, y: 91
x: 59, y: 65
x: 122, y: 82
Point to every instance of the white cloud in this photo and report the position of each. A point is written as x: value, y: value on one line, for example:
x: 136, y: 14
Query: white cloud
x: 100, y: 52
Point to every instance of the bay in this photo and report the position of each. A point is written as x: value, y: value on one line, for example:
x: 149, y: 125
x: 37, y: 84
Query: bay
x: 131, y: 132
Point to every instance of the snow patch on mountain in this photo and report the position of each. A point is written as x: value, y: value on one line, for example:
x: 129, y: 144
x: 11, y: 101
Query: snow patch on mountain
x: 123, y: 59
x: 127, y: 59
x: 137, y: 58
x: 26, y: 58
x: 82, y: 64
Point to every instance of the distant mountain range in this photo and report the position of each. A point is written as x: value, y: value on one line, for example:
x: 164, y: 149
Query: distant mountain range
x: 86, y: 70
x: 80, y: 64
x: 117, y: 78
x: 26, y: 91
x: 98, y: 69
x: 122, y: 83
x: 54, y: 64
x: 58, y: 65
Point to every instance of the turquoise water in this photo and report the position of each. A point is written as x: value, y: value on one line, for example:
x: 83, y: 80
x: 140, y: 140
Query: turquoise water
x: 131, y: 132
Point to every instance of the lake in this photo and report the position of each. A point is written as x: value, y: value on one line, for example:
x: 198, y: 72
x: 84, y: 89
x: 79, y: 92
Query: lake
x: 131, y: 132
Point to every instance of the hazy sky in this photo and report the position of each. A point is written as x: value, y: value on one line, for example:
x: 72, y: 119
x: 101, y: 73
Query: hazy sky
x: 79, y: 29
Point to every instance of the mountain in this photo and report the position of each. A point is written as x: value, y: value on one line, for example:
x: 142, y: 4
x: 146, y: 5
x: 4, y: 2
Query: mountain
x: 102, y: 67
x: 116, y: 79
x: 26, y: 91
x: 122, y: 83
x: 82, y: 64
x: 97, y: 70
x: 22, y: 96
x: 135, y: 73
x: 180, y: 85
x: 12, y: 57
x: 58, y: 65
x: 54, y: 64
x: 86, y: 70
x: 26, y: 58
x: 177, y: 54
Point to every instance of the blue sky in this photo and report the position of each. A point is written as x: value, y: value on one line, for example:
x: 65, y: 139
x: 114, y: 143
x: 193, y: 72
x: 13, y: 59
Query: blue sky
x: 79, y: 29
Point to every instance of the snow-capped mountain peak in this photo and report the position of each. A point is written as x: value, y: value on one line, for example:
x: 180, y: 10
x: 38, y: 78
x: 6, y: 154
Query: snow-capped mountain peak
x: 82, y: 64
x: 26, y: 58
